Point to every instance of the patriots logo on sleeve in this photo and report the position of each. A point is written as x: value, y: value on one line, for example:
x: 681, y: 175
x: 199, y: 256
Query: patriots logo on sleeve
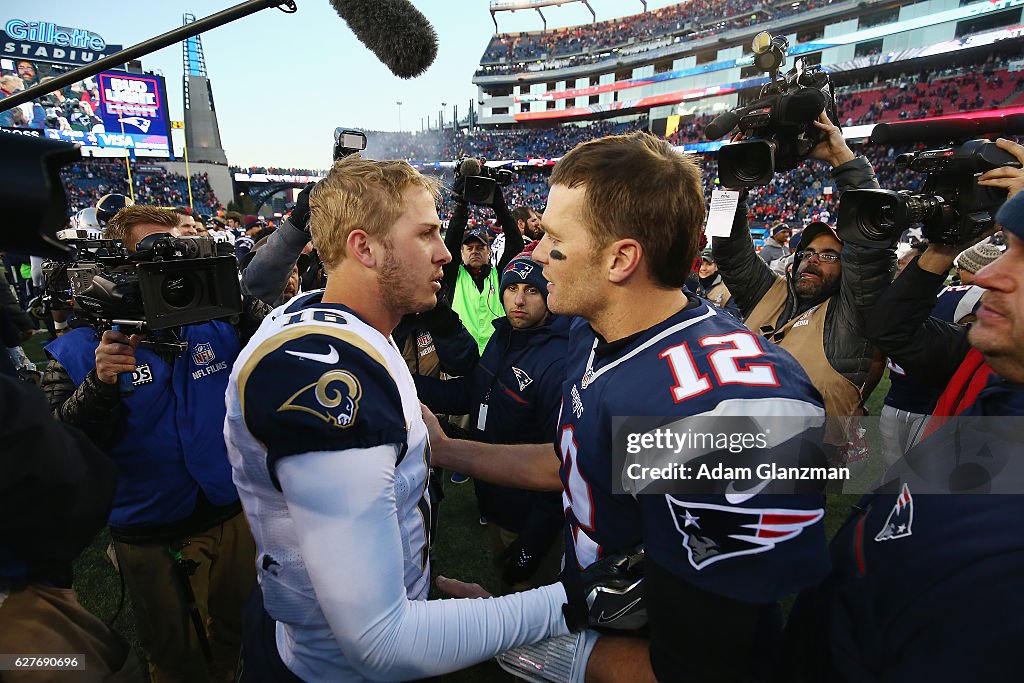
x: 901, y: 517
x: 717, y: 532
x: 334, y: 398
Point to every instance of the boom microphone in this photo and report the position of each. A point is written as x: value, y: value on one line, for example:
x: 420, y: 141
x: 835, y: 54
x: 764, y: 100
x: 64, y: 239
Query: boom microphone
x: 394, y: 30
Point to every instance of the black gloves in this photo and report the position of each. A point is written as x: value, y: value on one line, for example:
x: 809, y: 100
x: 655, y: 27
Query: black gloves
x: 607, y: 594
x: 300, y: 214
x: 521, y: 560
x: 440, y: 320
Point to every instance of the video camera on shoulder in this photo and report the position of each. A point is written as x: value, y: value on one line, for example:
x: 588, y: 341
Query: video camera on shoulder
x: 951, y: 207
x: 481, y: 181
x: 779, y: 125
x: 169, y: 281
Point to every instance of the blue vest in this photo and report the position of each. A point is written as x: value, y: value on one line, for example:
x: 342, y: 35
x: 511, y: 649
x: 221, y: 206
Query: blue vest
x: 170, y: 439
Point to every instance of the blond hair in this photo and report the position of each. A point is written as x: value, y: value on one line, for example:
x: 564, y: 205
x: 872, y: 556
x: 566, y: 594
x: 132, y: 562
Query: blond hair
x: 127, y: 218
x: 637, y: 186
x: 12, y: 83
x: 359, y: 194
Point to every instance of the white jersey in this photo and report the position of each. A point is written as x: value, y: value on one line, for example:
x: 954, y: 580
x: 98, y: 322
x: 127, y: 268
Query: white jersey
x: 329, y: 453
x: 315, y: 355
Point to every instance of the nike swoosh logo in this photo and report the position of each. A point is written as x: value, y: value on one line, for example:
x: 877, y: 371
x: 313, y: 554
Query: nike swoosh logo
x: 735, y: 497
x: 329, y: 358
x: 602, y: 619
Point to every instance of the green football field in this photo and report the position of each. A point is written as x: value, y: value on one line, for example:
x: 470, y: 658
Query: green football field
x: 460, y: 551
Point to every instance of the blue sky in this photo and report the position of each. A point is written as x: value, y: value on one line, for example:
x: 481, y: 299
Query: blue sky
x: 282, y: 83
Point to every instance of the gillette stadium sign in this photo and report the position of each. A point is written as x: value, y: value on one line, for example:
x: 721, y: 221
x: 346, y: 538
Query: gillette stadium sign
x: 45, y: 41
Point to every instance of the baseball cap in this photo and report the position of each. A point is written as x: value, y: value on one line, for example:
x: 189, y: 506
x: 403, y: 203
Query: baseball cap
x: 478, y: 234
x: 814, y: 229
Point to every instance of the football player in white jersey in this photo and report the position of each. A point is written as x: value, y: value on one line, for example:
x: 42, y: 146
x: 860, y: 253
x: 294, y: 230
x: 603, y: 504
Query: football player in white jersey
x: 330, y: 453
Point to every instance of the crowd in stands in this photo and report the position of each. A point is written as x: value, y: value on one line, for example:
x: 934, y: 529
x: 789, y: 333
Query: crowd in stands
x: 931, y: 93
x: 799, y: 195
x: 695, y: 19
x: 275, y: 170
x: 519, y: 144
x: 89, y: 179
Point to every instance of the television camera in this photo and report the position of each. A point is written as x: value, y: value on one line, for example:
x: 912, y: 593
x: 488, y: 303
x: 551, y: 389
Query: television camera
x: 779, y: 125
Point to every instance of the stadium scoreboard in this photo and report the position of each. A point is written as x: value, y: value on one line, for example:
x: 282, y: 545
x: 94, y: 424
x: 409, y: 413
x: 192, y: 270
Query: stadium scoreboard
x: 107, y: 114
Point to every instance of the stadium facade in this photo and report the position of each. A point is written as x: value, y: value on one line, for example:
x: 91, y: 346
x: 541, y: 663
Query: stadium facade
x: 700, y: 67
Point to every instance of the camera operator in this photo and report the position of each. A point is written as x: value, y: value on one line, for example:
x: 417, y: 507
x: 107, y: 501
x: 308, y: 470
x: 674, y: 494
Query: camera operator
x: 816, y: 313
x: 182, y: 544
x: 471, y: 283
x: 926, y: 587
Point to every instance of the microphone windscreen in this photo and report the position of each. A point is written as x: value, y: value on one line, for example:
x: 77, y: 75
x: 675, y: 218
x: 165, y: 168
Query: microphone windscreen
x: 721, y: 125
x: 801, y: 107
x: 470, y: 167
x: 394, y: 30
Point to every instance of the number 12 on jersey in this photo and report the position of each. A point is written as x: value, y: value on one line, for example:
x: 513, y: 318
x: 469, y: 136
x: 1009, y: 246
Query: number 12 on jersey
x: 728, y: 362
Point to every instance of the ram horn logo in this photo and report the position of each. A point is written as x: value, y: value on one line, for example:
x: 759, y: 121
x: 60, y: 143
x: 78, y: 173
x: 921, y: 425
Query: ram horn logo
x: 137, y: 121
x: 334, y: 398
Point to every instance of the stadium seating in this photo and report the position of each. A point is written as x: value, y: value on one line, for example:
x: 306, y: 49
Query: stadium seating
x: 88, y: 180
x: 930, y: 94
x: 691, y: 19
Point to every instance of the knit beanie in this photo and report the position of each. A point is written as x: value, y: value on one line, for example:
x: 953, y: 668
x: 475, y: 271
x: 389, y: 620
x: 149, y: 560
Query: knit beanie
x: 524, y: 269
x: 1011, y: 215
x: 977, y: 257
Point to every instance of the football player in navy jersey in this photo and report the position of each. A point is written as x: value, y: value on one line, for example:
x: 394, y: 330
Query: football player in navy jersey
x: 622, y: 224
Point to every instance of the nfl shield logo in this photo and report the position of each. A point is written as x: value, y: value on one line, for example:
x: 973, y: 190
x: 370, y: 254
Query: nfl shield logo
x: 203, y: 353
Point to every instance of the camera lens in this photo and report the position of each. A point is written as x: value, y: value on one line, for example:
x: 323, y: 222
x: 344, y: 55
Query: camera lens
x: 179, y: 291
x: 922, y: 208
x: 747, y: 164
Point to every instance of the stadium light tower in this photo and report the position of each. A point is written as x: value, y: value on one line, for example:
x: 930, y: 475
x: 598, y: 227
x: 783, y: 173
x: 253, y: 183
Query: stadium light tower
x: 202, y: 133
x: 399, y: 116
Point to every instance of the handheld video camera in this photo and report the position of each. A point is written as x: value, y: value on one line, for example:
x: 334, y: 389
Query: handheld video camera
x: 348, y: 142
x: 481, y: 181
x: 951, y: 207
x: 169, y: 281
x: 779, y: 125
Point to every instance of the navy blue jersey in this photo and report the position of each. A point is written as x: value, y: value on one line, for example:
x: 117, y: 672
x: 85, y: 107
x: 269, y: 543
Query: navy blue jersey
x: 956, y: 302
x: 698, y: 361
